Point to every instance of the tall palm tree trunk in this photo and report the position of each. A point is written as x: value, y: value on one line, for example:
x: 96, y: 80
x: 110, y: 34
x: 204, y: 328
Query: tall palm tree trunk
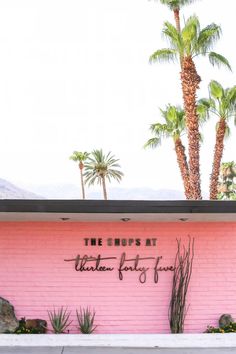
x: 177, y: 19
x: 190, y: 83
x: 81, y: 166
x: 104, y: 188
x: 218, y: 153
x: 183, y: 166
x: 177, y: 25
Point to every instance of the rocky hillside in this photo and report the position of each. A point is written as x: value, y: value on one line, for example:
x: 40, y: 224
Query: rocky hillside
x: 69, y: 191
x: 10, y: 191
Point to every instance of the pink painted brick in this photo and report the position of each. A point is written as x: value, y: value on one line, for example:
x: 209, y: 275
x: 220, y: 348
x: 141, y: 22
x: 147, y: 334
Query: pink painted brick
x: 35, y: 278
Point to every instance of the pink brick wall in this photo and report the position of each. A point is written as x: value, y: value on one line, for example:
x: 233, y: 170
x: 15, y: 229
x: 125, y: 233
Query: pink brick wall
x: 35, y: 278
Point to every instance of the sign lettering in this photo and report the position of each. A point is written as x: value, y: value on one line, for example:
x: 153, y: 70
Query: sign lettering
x: 137, y: 264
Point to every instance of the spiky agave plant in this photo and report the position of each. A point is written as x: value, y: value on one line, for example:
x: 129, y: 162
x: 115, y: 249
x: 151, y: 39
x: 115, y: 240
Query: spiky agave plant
x: 85, y: 319
x: 59, y: 320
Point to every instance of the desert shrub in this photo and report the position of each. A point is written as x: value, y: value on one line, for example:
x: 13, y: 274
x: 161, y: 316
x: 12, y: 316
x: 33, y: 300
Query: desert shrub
x: 231, y: 328
x: 24, y: 329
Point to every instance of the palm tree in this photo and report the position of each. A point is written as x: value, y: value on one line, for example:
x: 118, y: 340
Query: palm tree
x: 227, y: 185
x: 175, y: 6
x: 173, y: 127
x: 100, y: 167
x: 80, y: 157
x: 192, y: 41
x: 222, y: 103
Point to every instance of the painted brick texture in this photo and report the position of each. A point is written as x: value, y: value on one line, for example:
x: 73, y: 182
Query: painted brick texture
x: 35, y: 277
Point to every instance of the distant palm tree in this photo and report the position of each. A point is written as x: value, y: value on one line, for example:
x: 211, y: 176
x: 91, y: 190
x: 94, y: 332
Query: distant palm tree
x: 222, y: 103
x: 175, y: 6
x: 100, y: 167
x: 174, y: 127
x: 227, y: 185
x: 80, y: 157
x: 192, y: 41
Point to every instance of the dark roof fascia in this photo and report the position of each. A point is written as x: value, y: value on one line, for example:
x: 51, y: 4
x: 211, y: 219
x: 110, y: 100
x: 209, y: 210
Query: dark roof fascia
x: 116, y: 206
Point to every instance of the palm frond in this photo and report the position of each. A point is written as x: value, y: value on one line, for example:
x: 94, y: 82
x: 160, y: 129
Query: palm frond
x: 203, y: 107
x: 208, y: 36
x: 230, y: 95
x: 222, y: 102
x: 174, y: 125
x: 116, y: 175
x: 152, y: 143
x: 172, y: 4
x: 172, y: 35
x: 91, y: 178
x: 216, y: 90
x: 176, y: 4
x: 158, y: 128
x: 186, y: 2
x: 218, y: 60
x: 174, y: 115
x: 190, y: 33
x: 206, y: 102
x: 99, y: 166
x: 79, y: 156
x: 163, y: 55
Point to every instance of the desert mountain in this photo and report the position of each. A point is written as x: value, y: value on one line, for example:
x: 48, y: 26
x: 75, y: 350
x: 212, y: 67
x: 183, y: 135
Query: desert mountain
x: 71, y: 191
x: 9, y: 191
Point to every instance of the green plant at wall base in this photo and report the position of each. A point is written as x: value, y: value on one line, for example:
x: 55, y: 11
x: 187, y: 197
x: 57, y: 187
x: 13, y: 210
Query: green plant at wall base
x: 59, y: 320
x: 22, y: 328
x: 85, y: 319
x: 231, y: 328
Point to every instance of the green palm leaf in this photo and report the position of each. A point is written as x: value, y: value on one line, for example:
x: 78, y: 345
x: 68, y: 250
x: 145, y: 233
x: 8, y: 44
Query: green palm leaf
x: 218, y: 60
x: 216, y: 90
x: 173, y: 127
x: 191, y: 41
x: 79, y: 156
x: 163, y: 55
x: 203, y: 107
x: 208, y: 36
x: 171, y: 34
x: 190, y: 34
x: 152, y: 143
x: 176, y: 4
x: 230, y: 95
x: 222, y: 102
